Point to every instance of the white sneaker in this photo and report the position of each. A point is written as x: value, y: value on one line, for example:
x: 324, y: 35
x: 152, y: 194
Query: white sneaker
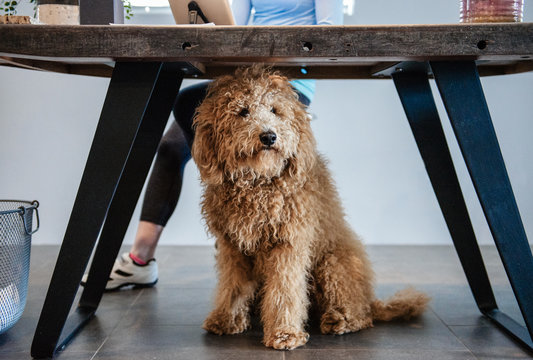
x: 125, y: 273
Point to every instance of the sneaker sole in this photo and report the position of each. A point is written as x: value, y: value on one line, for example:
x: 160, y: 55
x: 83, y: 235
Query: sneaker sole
x: 135, y: 286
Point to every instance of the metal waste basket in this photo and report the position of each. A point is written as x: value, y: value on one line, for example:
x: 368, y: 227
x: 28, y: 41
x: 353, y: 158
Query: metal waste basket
x: 16, y: 228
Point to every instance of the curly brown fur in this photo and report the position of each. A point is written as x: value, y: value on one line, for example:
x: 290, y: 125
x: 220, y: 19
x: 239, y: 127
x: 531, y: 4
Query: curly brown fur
x: 279, y: 225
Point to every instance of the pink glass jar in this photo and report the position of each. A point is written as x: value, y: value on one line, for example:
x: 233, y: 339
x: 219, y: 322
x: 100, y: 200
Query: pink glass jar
x: 491, y: 10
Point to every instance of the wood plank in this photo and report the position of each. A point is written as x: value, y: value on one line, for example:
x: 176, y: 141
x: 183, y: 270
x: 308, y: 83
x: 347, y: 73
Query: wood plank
x: 296, y: 44
x: 367, y: 71
x: 98, y: 70
x: 325, y: 52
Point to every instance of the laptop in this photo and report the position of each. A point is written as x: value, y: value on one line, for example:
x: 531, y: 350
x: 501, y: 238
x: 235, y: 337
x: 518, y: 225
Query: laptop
x: 217, y: 12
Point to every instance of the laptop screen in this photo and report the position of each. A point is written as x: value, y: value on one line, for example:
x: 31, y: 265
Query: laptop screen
x: 217, y: 12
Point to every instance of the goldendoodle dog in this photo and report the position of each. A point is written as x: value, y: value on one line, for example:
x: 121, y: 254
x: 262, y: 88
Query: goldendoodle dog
x: 280, y: 230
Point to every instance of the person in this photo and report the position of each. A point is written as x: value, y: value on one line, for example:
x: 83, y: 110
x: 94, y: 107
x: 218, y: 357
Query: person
x: 138, y: 266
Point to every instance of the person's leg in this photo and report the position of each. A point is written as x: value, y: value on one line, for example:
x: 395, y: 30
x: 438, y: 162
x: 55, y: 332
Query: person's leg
x: 146, y: 239
x: 164, y: 186
x: 162, y: 193
x: 303, y: 99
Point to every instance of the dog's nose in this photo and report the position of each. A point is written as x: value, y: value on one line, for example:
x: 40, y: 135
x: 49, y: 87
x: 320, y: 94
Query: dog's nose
x: 268, y: 138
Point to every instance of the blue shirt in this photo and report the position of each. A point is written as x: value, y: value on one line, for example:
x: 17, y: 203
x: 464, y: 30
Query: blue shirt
x: 289, y: 12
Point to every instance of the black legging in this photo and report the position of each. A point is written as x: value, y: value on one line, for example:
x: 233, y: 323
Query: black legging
x: 164, y: 185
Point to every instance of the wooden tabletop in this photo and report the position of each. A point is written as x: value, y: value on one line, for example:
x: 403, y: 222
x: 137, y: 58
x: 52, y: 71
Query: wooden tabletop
x: 356, y: 51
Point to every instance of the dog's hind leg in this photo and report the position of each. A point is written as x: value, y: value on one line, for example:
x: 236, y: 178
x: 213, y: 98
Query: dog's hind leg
x: 343, y: 291
x: 235, y: 292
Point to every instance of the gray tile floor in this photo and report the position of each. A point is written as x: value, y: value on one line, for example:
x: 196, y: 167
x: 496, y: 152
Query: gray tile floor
x: 165, y: 322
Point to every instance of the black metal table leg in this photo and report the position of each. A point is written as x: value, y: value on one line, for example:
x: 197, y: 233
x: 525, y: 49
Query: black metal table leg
x: 415, y: 94
x: 129, y: 95
x: 131, y: 184
x: 463, y: 97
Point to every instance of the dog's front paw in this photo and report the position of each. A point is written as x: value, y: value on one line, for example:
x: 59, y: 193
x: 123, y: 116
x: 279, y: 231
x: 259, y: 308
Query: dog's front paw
x: 221, y: 323
x: 286, y: 339
x: 333, y: 322
x: 336, y: 322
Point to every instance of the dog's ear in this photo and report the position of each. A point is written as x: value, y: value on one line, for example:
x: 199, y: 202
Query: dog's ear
x: 279, y: 81
x: 204, y: 151
x: 305, y: 158
x: 282, y: 84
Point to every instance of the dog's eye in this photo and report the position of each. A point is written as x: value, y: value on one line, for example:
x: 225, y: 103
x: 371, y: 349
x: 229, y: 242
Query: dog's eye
x: 244, y: 112
x: 273, y: 110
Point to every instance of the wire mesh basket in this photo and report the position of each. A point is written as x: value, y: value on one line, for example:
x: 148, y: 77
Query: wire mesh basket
x: 16, y: 228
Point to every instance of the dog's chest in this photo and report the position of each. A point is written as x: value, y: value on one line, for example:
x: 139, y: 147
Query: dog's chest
x: 257, y: 206
x: 254, y: 216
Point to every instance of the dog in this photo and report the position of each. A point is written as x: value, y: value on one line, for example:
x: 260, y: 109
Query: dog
x: 271, y: 204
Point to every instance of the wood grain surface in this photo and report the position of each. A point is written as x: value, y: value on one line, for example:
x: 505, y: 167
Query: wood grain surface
x: 324, y: 51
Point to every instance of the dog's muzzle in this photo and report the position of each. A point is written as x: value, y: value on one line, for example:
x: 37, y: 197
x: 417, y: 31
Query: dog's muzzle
x: 268, y: 138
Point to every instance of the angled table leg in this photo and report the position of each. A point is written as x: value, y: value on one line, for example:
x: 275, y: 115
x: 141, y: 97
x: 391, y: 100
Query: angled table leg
x: 463, y: 97
x: 415, y: 94
x: 129, y: 97
x: 130, y: 185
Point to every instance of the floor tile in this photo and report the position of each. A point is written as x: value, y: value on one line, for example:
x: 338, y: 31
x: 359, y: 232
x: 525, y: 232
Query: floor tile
x: 174, y: 342
x: 489, y: 343
x: 176, y: 353
x: 424, y: 333
x: 378, y: 354
x: 71, y: 355
x: 170, y: 306
x: 455, y: 304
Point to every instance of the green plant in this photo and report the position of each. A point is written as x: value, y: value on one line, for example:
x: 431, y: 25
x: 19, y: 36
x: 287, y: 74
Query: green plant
x: 128, y: 12
x: 9, y: 7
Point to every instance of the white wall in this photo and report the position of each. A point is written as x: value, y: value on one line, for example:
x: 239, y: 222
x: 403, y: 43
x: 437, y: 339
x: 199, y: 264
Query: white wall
x: 47, y: 122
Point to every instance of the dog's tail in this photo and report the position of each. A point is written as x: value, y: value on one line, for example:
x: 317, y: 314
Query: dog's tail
x: 404, y: 305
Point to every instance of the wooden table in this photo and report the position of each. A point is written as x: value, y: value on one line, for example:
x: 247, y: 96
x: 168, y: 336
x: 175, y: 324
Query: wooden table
x: 147, y: 64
